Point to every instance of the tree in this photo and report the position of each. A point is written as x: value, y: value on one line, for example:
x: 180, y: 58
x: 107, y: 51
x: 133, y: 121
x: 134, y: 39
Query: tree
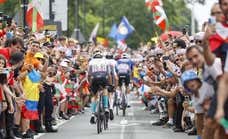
x: 113, y: 10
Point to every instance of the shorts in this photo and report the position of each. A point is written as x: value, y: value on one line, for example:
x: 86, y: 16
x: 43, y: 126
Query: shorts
x: 97, y: 83
x: 136, y: 80
x: 213, y: 108
x: 124, y: 78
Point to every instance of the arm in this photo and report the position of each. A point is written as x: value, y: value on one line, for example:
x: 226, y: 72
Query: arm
x: 163, y: 92
x: 8, y: 92
x: 208, y: 55
x: 222, y: 96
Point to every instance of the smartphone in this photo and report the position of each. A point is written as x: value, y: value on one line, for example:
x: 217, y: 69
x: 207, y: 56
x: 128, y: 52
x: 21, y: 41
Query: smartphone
x: 212, y: 20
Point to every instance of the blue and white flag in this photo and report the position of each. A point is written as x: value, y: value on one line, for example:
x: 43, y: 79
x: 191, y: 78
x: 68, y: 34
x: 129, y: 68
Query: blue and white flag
x: 124, y: 29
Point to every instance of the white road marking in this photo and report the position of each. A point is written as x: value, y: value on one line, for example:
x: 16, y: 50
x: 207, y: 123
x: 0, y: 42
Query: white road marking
x: 130, y: 114
x: 122, y: 132
x: 135, y: 102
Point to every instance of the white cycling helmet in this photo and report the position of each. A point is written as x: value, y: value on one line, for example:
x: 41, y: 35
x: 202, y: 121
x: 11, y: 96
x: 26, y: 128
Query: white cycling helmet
x: 125, y: 56
x: 97, y: 54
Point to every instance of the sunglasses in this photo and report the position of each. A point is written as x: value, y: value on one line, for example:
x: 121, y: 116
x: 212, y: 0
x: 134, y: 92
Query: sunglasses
x: 51, y: 74
x: 198, y: 41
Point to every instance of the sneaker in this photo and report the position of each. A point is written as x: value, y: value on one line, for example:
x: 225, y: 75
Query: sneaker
x: 27, y: 135
x: 178, y: 130
x: 168, y: 125
x: 40, y: 130
x: 32, y: 132
x: 159, y: 123
x: 192, y: 132
x: 92, y: 120
x: 64, y: 116
x: 53, y: 122
x: 17, y: 133
x: 111, y: 114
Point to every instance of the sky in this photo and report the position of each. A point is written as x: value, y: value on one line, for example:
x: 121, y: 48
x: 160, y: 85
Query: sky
x: 202, y: 12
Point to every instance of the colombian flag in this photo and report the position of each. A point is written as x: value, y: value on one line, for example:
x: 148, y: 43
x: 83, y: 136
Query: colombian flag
x: 31, y: 88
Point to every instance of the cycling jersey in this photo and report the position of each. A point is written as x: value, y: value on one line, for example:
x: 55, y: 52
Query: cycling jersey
x: 98, y: 68
x: 124, y: 66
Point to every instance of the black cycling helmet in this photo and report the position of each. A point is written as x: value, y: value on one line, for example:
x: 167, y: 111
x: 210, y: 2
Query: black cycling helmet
x: 109, y: 56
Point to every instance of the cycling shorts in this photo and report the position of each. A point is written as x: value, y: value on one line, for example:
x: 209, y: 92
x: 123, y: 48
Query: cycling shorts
x: 98, y: 82
x: 124, y: 78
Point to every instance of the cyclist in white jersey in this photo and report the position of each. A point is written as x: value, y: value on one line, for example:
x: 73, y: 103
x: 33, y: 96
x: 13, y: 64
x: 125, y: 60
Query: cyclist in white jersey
x: 99, y: 76
x: 114, y: 80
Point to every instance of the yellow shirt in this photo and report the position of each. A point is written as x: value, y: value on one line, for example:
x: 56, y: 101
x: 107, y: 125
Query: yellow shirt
x: 136, y: 72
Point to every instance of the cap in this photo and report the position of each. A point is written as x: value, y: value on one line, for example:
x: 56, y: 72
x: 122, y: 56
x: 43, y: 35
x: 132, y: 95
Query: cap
x: 39, y: 55
x: 64, y: 64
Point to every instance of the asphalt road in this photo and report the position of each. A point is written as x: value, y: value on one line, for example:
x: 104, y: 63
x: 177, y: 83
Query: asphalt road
x: 136, y: 125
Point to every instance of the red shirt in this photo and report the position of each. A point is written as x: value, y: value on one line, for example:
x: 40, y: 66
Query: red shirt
x: 6, y: 53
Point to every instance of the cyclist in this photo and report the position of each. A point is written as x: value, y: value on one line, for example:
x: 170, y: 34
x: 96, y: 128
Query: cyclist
x: 99, y: 76
x: 114, y: 80
x: 124, y: 71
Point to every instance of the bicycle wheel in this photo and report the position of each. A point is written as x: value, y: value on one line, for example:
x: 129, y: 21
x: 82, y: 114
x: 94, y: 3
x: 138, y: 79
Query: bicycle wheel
x: 123, y: 105
x: 98, y: 123
x: 105, y: 122
x: 117, y: 109
x: 99, y: 118
x: 116, y: 103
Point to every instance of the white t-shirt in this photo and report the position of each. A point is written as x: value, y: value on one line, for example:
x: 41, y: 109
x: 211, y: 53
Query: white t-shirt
x: 210, y: 73
x: 206, y: 91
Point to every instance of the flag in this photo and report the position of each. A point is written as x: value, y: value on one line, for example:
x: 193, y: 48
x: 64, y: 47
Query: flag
x: 93, y: 34
x: 113, y: 31
x: 34, y: 17
x: 2, y: 1
x: 124, y: 29
x: 121, y: 46
x: 31, y: 89
x: 103, y: 41
x: 160, y: 18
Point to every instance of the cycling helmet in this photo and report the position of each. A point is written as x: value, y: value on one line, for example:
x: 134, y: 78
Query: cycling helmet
x: 97, y: 54
x: 109, y: 56
x: 187, y: 76
x: 125, y: 56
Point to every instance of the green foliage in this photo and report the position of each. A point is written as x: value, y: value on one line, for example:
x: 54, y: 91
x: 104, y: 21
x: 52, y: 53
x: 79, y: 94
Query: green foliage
x: 137, y: 14
x: 113, y: 10
x: 10, y: 7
